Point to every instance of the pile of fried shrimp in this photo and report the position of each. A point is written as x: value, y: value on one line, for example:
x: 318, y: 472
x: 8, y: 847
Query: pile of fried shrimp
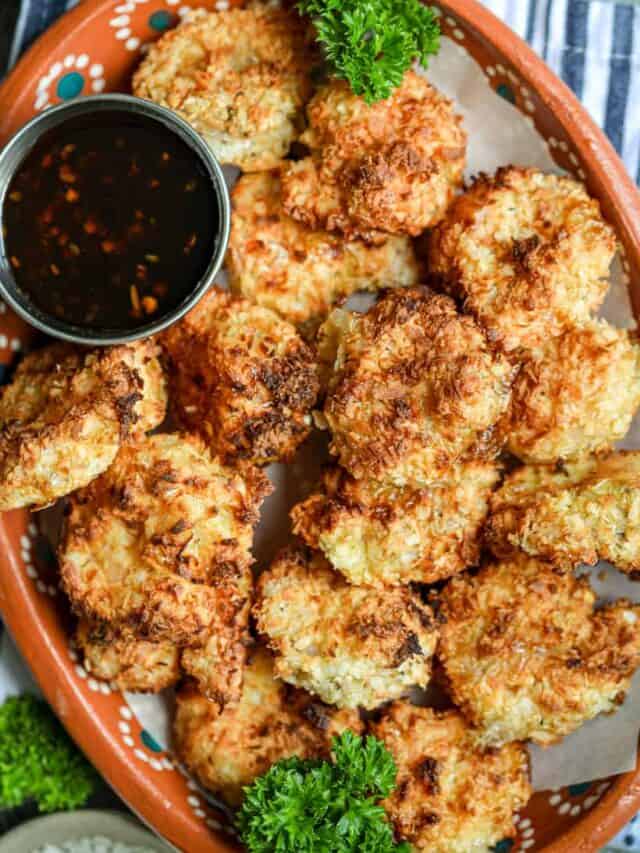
x: 472, y: 413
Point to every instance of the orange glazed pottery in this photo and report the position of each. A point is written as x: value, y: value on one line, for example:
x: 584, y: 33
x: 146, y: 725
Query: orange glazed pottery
x: 95, y: 48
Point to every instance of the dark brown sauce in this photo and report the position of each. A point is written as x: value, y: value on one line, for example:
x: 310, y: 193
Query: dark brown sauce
x: 110, y: 222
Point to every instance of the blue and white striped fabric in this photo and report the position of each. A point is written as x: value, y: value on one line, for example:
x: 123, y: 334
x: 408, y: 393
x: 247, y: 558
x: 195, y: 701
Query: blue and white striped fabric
x: 593, y: 45
x: 590, y: 45
x: 35, y: 16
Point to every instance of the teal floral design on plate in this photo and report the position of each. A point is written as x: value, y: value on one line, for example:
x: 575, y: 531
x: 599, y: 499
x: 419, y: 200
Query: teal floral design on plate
x: 578, y: 790
x: 68, y: 77
x: 506, y: 92
x: 149, y: 741
x: 70, y: 85
x: 161, y: 20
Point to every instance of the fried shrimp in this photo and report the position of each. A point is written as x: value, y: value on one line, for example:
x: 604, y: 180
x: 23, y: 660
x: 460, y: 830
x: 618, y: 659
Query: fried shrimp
x: 378, y: 535
x: 581, y: 513
x: 576, y: 395
x: 239, y: 77
x: 415, y: 386
x: 525, y: 654
x: 450, y: 797
x: 68, y: 411
x: 527, y: 253
x: 129, y: 663
x: 299, y: 273
x: 352, y: 646
x: 271, y: 721
x: 159, y: 547
x: 242, y: 378
x: 390, y: 167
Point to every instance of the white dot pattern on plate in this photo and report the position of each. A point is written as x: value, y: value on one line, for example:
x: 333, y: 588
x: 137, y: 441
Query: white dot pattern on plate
x: 66, y: 79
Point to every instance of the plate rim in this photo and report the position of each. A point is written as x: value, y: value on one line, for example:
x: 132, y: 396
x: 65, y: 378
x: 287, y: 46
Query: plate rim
x: 51, y: 828
x: 610, y: 183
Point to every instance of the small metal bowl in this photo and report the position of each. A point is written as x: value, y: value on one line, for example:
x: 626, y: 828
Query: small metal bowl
x: 15, y: 152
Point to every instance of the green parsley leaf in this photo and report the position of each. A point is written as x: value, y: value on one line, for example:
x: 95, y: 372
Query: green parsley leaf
x: 303, y: 806
x: 372, y: 43
x: 38, y: 760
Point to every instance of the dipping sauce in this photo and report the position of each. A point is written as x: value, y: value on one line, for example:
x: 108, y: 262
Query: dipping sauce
x: 110, y: 221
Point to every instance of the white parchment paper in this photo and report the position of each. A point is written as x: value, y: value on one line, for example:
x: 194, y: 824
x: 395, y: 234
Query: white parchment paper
x: 498, y: 135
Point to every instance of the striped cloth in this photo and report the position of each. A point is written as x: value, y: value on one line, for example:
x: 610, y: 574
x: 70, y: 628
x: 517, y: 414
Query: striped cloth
x: 588, y: 43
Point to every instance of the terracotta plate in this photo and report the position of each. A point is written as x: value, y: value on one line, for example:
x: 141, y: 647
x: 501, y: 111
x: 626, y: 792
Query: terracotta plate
x: 93, y: 49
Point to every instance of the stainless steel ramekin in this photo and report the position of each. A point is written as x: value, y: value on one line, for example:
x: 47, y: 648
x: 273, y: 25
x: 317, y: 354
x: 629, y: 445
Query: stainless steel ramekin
x: 17, y: 149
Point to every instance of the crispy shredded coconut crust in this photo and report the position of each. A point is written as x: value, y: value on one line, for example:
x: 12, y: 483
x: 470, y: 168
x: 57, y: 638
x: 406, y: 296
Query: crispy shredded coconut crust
x: 580, y: 513
x: 451, y: 797
x: 68, y: 411
x: 279, y: 263
x: 239, y: 77
x: 159, y: 547
x: 527, y: 253
x: 391, y: 167
x: 352, y: 646
x: 576, y: 395
x: 379, y: 535
x: 131, y: 664
x: 525, y: 654
x: 271, y: 721
x: 241, y: 377
x: 415, y: 387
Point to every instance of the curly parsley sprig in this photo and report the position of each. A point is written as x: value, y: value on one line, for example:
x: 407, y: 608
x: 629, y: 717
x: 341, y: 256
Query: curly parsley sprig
x: 38, y: 760
x: 372, y: 43
x: 302, y: 806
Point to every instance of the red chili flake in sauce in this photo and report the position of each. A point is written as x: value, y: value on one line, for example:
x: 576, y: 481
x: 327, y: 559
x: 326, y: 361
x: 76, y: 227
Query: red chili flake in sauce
x: 109, y: 222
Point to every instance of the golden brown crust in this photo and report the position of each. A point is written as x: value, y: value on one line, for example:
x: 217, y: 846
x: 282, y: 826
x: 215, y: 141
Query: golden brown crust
x: 527, y: 657
x: 68, y: 411
x: 279, y: 263
x: 128, y: 663
x: 389, y: 167
x: 450, y: 796
x: 380, y: 535
x: 159, y: 547
x: 271, y: 721
x: 352, y: 646
x: 415, y: 387
x: 527, y: 253
x: 240, y: 77
x: 576, y: 395
x: 241, y: 377
x: 577, y: 513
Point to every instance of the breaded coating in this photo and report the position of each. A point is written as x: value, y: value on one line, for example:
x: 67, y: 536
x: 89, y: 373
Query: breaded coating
x: 242, y: 378
x: 415, y: 387
x: 451, y: 797
x: 390, y: 167
x: 352, y: 646
x: 271, y: 721
x: 239, y: 77
x: 580, y: 513
x: 527, y: 253
x: 525, y: 654
x: 281, y: 264
x: 379, y: 535
x: 68, y: 411
x: 130, y: 664
x: 577, y: 395
x: 159, y: 547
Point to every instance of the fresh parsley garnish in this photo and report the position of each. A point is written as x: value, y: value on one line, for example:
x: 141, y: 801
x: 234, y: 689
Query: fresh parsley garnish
x: 371, y: 43
x: 38, y: 760
x: 303, y: 806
